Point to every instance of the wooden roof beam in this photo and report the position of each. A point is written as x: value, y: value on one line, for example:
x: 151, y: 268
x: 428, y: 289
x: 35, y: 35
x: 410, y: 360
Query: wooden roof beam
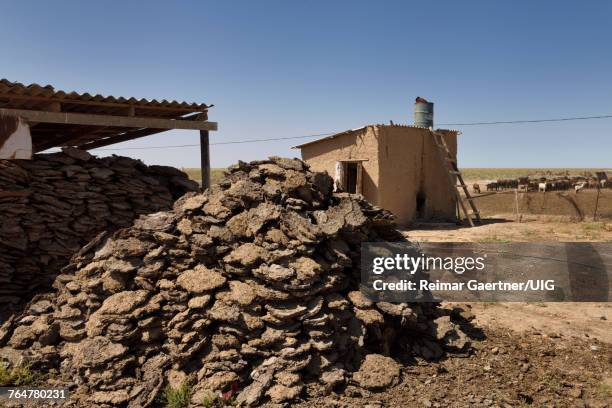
x: 70, y: 138
x: 108, y: 120
x: 49, y: 142
x: 130, y: 135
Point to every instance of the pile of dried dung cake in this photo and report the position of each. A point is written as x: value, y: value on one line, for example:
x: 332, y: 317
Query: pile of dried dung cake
x: 249, y: 289
x: 54, y: 204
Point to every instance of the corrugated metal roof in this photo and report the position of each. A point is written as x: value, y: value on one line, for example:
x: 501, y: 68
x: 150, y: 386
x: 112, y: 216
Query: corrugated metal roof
x: 17, y: 97
x: 17, y: 89
x: 362, y: 128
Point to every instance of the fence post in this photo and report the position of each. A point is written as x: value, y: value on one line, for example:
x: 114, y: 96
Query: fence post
x: 596, y: 203
x: 516, y: 204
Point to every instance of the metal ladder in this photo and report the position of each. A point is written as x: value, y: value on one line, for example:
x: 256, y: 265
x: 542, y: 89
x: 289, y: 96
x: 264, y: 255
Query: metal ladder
x: 450, y: 164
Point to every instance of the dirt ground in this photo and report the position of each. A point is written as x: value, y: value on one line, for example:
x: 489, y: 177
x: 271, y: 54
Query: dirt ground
x: 504, y: 228
x: 523, y: 354
x: 579, y: 320
x: 504, y: 369
x: 566, y: 346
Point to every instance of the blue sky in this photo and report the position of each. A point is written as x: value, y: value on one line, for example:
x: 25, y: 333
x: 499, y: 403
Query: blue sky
x: 289, y: 68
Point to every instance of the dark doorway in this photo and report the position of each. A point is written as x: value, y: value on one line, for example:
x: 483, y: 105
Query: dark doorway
x: 351, y: 177
x: 420, y: 205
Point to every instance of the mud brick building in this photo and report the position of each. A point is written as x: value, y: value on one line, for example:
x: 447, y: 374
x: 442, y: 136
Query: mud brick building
x: 397, y: 167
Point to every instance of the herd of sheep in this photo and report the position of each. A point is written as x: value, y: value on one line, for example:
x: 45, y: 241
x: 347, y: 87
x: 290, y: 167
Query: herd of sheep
x: 544, y: 184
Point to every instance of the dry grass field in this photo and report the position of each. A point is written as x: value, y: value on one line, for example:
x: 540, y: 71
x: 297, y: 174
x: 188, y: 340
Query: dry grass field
x: 196, y: 174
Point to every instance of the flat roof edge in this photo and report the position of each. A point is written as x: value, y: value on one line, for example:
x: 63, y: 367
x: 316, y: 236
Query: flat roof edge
x: 365, y: 127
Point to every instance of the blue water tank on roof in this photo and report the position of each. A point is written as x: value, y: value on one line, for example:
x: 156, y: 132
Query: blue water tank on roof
x: 423, y: 113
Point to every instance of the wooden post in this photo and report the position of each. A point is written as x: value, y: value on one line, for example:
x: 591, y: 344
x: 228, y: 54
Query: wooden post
x: 358, y: 188
x: 205, y: 159
x: 516, y: 204
x: 457, y: 211
x: 596, y: 203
